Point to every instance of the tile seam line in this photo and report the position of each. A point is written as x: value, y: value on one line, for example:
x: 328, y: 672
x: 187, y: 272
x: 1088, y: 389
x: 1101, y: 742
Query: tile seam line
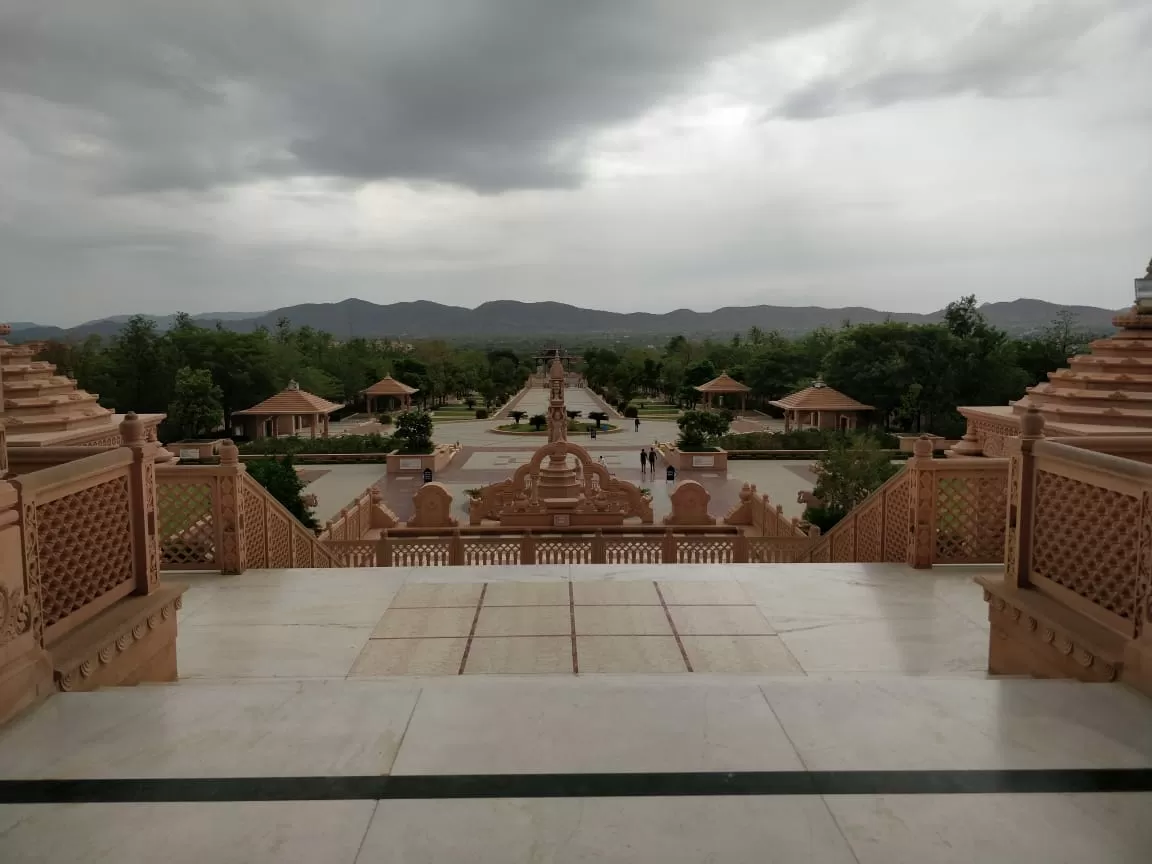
x: 672, y: 624
x: 472, y: 632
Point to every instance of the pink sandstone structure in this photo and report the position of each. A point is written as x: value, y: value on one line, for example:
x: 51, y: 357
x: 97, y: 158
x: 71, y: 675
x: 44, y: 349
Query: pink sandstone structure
x: 821, y: 407
x: 390, y: 390
x: 44, y: 409
x: 289, y: 412
x: 561, y: 485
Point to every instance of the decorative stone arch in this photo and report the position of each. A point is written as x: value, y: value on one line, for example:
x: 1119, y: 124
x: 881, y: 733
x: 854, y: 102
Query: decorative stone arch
x: 432, y: 507
x: 689, y: 505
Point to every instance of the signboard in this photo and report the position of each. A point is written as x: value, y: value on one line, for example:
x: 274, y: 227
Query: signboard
x: 427, y: 475
x: 561, y: 520
x: 410, y: 464
x: 703, y: 461
x: 670, y: 474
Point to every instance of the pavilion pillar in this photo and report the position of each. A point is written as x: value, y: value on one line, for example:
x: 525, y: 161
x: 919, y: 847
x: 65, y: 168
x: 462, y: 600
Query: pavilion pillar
x: 312, y: 424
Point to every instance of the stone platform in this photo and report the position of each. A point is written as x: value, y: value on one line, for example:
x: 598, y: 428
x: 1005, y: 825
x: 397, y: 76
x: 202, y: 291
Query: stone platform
x: 868, y: 733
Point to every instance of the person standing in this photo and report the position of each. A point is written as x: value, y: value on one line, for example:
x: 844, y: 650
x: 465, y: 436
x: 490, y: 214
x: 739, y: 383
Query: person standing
x: 637, y: 424
x: 652, y: 459
x: 643, y: 462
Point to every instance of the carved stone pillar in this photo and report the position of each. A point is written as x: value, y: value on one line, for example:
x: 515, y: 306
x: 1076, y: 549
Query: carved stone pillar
x: 922, y: 501
x: 970, y: 444
x: 142, y: 489
x: 1021, y: 500
x: 25, y: 669
x: 231, y: 543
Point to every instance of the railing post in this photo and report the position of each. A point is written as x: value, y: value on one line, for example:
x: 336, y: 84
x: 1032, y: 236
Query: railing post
x: 668, y: 547
x: 598, y: 548
x: 230, y: 550
x: 456, y: 549
x: 922, y: 498
x: 740, y: 549
x: 527, y: 548
x: 383, y: 550
x: 142, y: 504
x: 1021, y: 500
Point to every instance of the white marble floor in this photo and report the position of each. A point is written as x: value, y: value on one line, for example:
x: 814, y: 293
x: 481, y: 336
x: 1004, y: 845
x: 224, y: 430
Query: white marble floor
x: 895, y: 684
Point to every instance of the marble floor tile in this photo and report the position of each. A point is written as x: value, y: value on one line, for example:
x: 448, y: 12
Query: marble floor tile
x: 561, y: 724
x: 634, y: 654
x: 524, y: 621
x: 942, y: 645
x: 250, y: 832
x: 278, y: 728
x: 933, y: 723
x: 679, y: 573
x: 719, y: 621
x: 1021, y: 829
x: 519, y: 655
x: 410, y: 657
x: 268, y: 651
x: 721, y: 830
x: 424, y: 623
x: 422, y: 594
x: 640, y: 593
x: 315, y: 605
x: 622, y: 621
x: 349, y: 581
x: 702, y: 593
x: 743, y: 655
x: 527, y: 594
x: 519, y: 573
x: 798, y: 601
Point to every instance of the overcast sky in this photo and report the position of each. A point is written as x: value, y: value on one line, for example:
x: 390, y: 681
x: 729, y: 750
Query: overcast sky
x: 166, y: 155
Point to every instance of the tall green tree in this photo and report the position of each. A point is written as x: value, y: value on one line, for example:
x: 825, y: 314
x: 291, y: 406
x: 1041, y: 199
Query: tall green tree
x: 195, y: 408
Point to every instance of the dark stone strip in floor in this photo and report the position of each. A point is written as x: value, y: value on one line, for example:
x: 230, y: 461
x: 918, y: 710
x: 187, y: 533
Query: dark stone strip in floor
x: 1042, y: 781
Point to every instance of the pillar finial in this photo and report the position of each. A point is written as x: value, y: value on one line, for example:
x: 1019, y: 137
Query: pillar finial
x: 131, y: 429
x: 229, y: 453
x: 1032, y: 423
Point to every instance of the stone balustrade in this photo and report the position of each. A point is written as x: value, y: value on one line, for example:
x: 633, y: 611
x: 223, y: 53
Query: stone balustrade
x: 1074, y: 598
x: 81, y: 604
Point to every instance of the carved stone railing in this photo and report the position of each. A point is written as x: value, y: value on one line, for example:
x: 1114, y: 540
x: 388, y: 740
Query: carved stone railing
x: 1077, y: 585
x: 86, y: 607
x: 216, y: 517
x: 494, y: 546
x: 352, y: 522
x: 933, y: 511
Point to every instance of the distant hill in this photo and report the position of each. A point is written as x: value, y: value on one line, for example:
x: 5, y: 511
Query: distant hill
x: 423, y: 319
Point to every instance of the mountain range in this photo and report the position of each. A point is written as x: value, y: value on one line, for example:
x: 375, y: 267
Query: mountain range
x: 423, y: 319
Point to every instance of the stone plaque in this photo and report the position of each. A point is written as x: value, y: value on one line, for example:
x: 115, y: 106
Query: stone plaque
x: 411, y: 464
x: 561, y: 520
x: 703, y: 461
x: 189, y: 453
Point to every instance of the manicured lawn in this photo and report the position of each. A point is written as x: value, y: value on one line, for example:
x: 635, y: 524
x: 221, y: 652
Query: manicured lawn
x: 573, y: 429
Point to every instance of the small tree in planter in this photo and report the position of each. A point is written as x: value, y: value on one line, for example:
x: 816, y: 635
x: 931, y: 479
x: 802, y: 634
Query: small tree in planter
x: 851, y: 469
x: 538, y: 421
x: 698, y: 429
x: 572, y: 415
x: 279, y: 477
x: 414, y: 430
x: 517, y: 416
x: 598, y: 417
x: 470, y: 402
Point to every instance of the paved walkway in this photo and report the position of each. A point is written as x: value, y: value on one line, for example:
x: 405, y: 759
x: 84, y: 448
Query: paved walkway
x: 829, y: 711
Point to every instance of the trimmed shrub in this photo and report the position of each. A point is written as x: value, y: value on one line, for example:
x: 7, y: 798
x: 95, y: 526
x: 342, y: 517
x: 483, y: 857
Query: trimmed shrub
x: 338, y: 444
x: 279, y: 477
x: 384, y: 419
x: 631, y: 412
x: 414, y: 432
x: 481, y: 413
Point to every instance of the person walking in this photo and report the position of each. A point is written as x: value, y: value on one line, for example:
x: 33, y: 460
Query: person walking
x: 643, y: 462
x: 637, y: 424
x: 652, y: 459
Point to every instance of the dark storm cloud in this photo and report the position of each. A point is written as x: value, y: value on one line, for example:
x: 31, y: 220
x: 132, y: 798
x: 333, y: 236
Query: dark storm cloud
x: 487, y: 94
x: 1018, y: 50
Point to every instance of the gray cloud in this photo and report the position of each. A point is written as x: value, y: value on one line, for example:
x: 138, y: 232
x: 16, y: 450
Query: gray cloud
x: 487, y: 94
x: 1015, y: 51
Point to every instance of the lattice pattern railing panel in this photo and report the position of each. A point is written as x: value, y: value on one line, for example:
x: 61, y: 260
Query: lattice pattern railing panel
x: 279, y: 540
x: 255, y: 534
x: 301, y: 549
x: 897, y: 518
x: 822, y: 552
x: 776, y: 550
x: 187, y: 533
x: 352, y: 553
x: 421, y: 552
x: 705, y: 550
x: 870, y: 530
x: 1086, y: 538
x: 564, y: 551
x: 633, y: 550
x: 970, y: 514
x: 84, y: 542
x: 843, y: 540
x: 486, y: 551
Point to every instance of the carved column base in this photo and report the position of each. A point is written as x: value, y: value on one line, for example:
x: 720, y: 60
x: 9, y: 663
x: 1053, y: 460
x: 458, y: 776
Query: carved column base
x: 24, y: 682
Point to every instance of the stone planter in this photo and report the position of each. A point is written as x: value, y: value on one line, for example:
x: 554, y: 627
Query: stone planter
x: 415, y: 463
x: 710, y: 461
